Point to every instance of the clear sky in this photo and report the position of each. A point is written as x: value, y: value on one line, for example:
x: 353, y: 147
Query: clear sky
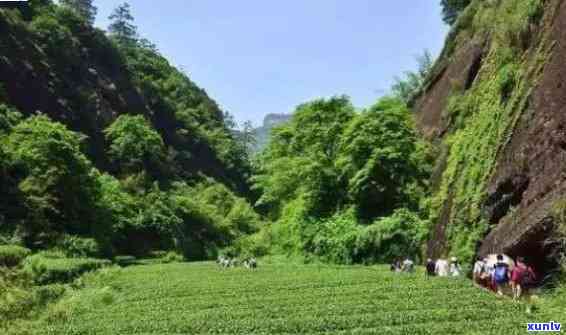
x: 256, y: 57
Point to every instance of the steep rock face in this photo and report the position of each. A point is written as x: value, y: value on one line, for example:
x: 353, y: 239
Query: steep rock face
x: 525, y: 174
x: 531, y: 169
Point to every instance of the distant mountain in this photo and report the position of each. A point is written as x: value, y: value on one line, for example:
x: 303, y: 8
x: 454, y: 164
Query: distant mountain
x: 262, y: 133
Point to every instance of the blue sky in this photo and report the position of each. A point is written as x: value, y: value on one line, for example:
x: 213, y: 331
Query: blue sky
x: 256, y: 57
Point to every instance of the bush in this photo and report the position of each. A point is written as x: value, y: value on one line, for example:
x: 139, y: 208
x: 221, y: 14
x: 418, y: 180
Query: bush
x: 12, y: 255
x: 335, y: 239
x: 389, y: 238
x: 46, y: 270
x: 125, y: 260
x: 75, y: 246
x: 255, y: 245
x: 173, y: 257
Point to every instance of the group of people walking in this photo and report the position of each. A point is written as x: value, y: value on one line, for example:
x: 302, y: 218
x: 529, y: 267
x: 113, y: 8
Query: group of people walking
x: 443, y: 268
x: 496, y: 272
x: 407, y: 266
x: 501, y: 272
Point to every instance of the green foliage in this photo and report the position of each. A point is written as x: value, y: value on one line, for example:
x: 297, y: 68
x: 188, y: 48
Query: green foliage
x: 84, y: 8
x: 125, y: 260
x: 451, y: 9
x: 134, y: 144
x: 379, y: 158
x: 212, y: 217
x: 75, y: 246
x: 197, y: 123
x: 56, y: 38
x: 9, y: 118
x: 121, y: 27
x: 329, y: 170
x: 397, y: 236
x: 12, y: 255
x: 409, y: 87
x: 47, y: 269
x: 19, y: 299
x: 173, y: 257
x: 300, y: 159
x: 58, y: 182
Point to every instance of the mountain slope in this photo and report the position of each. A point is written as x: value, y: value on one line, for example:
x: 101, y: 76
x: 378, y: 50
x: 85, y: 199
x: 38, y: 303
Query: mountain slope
x: 61, y: 67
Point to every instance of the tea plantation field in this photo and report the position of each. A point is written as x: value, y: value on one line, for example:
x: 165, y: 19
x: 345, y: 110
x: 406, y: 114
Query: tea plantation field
x: 200, y: 298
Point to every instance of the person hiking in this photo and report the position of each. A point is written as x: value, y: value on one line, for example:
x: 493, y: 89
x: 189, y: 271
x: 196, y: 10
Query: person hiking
x: 480, y: 273
x: 395, y: 266
x: 408, y: 266
x: 522, y: 277
x: 455, y: 268
x: 501, y: 274
x: 442, y: 268
x: 430, y: 268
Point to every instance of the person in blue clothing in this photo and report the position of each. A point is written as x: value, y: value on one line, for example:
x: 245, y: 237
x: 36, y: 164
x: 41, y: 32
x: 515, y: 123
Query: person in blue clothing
x: 501, y: 274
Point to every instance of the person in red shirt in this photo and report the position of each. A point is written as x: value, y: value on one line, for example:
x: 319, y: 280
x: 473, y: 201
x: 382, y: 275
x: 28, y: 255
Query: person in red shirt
x: 521, y: 276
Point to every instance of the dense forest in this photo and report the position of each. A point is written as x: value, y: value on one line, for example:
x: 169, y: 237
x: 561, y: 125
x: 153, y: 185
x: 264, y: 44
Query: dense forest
x: 109, y: 150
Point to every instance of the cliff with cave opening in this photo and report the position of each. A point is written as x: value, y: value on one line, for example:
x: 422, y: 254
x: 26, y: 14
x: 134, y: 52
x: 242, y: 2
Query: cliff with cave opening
x: 495, y: 108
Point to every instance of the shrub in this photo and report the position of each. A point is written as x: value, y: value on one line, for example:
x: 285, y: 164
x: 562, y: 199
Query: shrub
x: 125, y: 260
x: 75, y: 246
x: 399, y: 235
x: 12, y: 255
x: 335, y: 239
x: 256, y: 245
x: 134, y: 144
x: 46, y: 270
x: 173, y: 257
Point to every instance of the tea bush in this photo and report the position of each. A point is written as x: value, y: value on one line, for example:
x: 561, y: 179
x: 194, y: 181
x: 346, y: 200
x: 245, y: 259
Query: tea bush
x: 12, y: 255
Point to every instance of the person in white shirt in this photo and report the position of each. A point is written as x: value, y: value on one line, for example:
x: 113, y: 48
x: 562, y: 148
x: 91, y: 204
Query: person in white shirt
x: 455, y: 269
x: 408, y: 265
x: 480, y: 272
x: 442, y: 268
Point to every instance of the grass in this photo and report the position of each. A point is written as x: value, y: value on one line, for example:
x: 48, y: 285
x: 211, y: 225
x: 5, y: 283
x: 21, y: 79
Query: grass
x: 200, y: 298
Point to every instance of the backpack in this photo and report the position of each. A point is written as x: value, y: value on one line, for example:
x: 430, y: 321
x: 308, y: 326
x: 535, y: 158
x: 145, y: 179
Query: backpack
x: 501, y: 274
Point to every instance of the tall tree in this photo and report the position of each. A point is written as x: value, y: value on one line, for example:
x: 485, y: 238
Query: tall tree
x: 409, y: 86
x: 84, y: 8
x: 248, y: 137
x: 122, y: 26
x: 451, y: 9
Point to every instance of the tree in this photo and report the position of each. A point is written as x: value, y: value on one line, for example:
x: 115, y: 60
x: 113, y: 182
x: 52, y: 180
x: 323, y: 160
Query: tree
x: 58, y: 182
x: 248, y: 137
x: 378, y: 159
x: 134, y: 144
x: 121, y: 26
x: 410, y: 86
x: 83, y: 8
x: 451, y: 9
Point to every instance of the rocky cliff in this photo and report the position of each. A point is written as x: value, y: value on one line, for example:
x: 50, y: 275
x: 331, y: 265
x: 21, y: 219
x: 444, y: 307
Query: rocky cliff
x: 495, y: 107
x: 262, y: 133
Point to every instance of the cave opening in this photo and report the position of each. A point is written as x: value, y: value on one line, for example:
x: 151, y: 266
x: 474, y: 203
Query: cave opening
x: 542, y: 251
